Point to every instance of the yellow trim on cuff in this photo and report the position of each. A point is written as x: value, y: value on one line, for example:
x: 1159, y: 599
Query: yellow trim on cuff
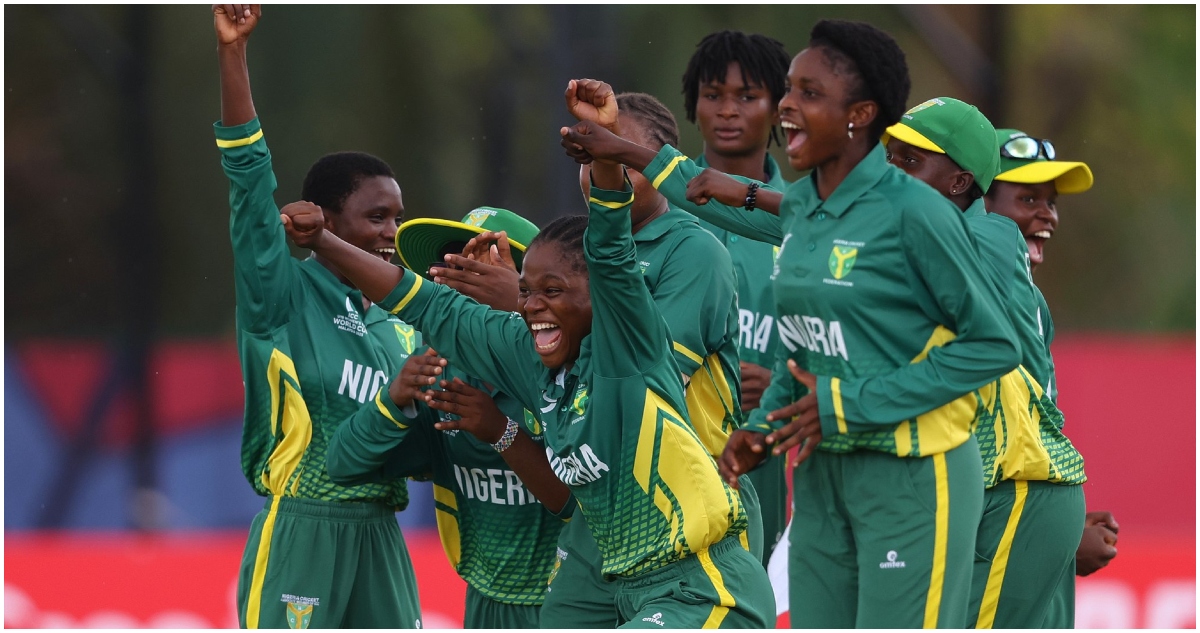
x: 383, y: 409
x: 610, y: 205
x: 411, y: 293
x: 835, y: 390
x: 667, y: 170
x: 222, y: 143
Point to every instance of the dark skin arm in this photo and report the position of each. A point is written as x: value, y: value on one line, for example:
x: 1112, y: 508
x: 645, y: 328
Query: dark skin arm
x: 305, y: 226
x: 479, y: 416
x: 715, y: 185
x: 233, y: 24
x: 1098, y: 545
x: 747, y: 449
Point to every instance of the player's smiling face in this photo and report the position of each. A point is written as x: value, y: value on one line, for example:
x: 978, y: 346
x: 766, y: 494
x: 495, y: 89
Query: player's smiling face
x: 556, y: 304
x: 1032, y: 207
x: 734, y: 117
x: 815, y: 111
x: 369, y: 216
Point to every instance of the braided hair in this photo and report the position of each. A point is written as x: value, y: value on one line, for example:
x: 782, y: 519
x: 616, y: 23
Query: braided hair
x: 873, y: 61
x: 762, y: 60
x: 654, y: 118
x: 567, y: 234
x: 335, y: 176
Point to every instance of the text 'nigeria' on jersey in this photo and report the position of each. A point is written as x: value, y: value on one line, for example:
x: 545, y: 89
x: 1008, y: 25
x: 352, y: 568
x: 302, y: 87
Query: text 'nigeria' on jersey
x: 494, y: 485
x: 360, y: 382
x: 578, y: 468
x: 814, y: 334
x: 754, y: 330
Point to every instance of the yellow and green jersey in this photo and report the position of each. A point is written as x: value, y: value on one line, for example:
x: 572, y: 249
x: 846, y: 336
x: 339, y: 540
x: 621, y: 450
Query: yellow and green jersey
x: 496, y: 534
x: 880, y: 293
x: 616, y: 427
x: 311, y: 354
x: 699, y: 302
x: 753, y: 262
x: 1020, y: 427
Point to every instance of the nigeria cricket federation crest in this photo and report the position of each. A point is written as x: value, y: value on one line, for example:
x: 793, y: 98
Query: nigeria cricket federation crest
x: 532, y: 424
x: 478, y: 217
x: 579, y: 405
x: 299, y: 616
x: 841, y: 261
x: 407, y: 336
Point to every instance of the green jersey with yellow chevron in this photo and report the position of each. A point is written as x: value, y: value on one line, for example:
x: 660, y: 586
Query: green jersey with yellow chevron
x: 311, y: 354
x: 615, y: 421
x: 700, y: 305
x: 880, y: 293
x: 500, y: 539
x: 1020, y: 430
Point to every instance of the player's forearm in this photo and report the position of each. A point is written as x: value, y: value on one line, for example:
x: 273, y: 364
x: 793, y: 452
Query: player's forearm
x: 529, y: 461
x: 237, y: 105
x: 635, y: 156
x: 370, y: 274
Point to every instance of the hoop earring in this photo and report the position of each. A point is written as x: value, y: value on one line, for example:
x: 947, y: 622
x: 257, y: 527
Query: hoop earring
x: 850, y: 130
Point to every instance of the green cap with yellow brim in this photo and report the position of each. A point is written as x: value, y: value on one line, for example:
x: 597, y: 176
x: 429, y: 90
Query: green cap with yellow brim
x: 954, y: 128
x: 1068, y: 176
x: 419, y: 242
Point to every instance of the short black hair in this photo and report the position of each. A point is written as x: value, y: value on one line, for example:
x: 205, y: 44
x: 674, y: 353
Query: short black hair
x: 763, y: 61
x: 874, y: 60
x: 566, y: 233
x: 656, y: 119
x: 335, y: 176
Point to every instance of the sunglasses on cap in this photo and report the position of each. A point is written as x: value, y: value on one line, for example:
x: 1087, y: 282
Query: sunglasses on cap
x: 1027, y: 148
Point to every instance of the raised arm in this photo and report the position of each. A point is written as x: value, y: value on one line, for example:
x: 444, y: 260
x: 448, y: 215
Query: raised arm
x: 491, y: 345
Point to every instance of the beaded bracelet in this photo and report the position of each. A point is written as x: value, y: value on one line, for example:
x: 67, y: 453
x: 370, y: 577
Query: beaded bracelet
x: 752, y: 196
x: 506, y: 440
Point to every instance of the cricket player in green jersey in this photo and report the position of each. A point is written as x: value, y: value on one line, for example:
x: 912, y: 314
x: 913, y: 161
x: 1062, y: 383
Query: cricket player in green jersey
x: 313, y: 352
x: 1026, y: 191
x: 699, y: 304
x: 888, y: 329
x: 1033, y: 503
x: 732, y: 87
x: 591, y: 353
x: 498, y: 536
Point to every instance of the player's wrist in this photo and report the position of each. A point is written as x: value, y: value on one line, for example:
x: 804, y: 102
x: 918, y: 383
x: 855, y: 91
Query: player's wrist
x: 507, y: 438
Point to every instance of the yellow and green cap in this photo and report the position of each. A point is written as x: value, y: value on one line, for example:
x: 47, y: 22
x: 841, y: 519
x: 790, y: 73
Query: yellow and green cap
x: 418, y: 242
x: 954, y: 128
x: 1068, y: 176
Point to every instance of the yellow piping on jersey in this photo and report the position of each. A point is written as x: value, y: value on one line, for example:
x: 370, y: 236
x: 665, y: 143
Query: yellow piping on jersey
x: 259, y: 574
x: 611, y: 205
x: 667, y: 170
x: 941, y: 531
x: 835, y: 389
x: 383, y: 409
x: 292, y: 421
x: 412, y: 292
x: 1022, y: 455
x: 710, y: 405
x: 448, y: 523
x: 682, y: 349
x: 991, y: 592
x: 947, y: 426
x: 241, y: 141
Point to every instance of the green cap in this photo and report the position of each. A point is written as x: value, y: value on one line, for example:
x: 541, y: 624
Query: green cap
x: 1068, y: 177
x: 419, y: 241
x: 959, y: 130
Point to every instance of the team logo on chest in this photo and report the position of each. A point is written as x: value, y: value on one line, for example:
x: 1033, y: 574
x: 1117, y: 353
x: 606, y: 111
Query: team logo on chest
x: 407, y: 336
x: 841, y: 261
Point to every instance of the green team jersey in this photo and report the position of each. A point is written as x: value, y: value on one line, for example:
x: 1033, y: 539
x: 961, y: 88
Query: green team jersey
x: 615, y: 423
x: 1046, y: 326
x: 753, y: 262
x: 881, y: 294
x: 499, y: 538
x: 311, y: 355
x: 699, y: 302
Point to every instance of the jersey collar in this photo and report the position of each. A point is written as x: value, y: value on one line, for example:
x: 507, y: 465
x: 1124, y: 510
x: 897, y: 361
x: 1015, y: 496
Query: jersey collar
x: 659, y: 226
x: 865, y: 175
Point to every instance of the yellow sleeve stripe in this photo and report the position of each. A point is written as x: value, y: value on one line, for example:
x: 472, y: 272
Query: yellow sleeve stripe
x: 835, y: 388
x: 383, y: 409
x: 610, y: 205
x: 696, y: 358
x: 222, y: 143
x: 411, y: 293
x: 667, y: 171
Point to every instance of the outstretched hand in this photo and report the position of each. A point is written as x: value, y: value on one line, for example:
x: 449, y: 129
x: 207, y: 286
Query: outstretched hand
x: 304, y: 223
x: 593, y: 100
x: 492, y: 248
x: 805, y: 425
x: 492, y: 280
x: 234, y: 22
x: 477, y: 412
x: 711, y: 184
x: 419, y: 372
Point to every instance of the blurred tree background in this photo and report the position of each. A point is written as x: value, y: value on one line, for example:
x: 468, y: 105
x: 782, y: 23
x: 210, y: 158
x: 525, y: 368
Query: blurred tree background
x: 116, y: 206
